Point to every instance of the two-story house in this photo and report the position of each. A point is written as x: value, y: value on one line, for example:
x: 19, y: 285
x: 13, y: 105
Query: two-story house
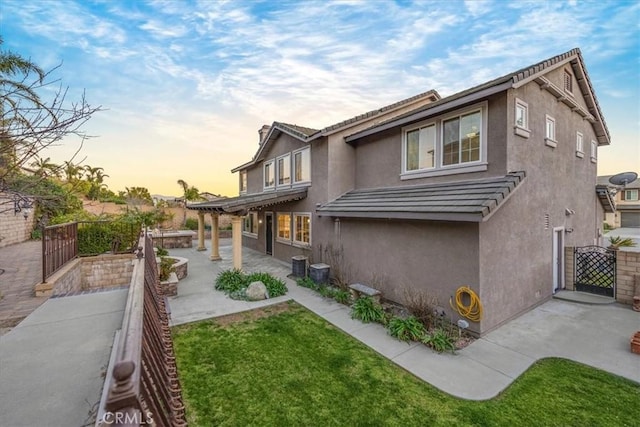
x: 483, y: 188
x: 627, y: 203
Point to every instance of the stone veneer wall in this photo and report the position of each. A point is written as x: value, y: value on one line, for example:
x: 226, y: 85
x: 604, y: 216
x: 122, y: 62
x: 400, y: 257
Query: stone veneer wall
x: 82, y: 274
x: 14, y: 228
x: 173, y: 240
x: 627, y: 274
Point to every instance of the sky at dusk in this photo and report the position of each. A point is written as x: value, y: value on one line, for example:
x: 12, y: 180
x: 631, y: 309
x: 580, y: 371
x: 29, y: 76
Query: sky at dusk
x: 187, y: 84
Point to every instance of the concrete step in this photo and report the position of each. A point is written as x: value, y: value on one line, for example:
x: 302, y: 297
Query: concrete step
x: 583, y: 297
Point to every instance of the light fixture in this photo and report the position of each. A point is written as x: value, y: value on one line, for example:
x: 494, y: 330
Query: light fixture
x: 22, y: 205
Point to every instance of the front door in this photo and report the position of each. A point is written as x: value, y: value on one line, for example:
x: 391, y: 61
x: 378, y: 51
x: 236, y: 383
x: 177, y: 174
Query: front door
x: 269, y: 233
x: 558, y: 258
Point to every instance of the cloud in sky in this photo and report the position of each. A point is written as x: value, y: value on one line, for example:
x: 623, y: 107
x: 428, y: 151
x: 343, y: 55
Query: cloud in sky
x: 188, y: 83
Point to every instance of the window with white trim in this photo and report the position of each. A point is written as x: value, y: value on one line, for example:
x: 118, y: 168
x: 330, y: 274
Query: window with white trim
x: 243, y: 181
x: 579, y: 145
x: 302, y: 166
x: 550, y: 131
x: 250, y: 225
x: 421, y: 148
x: 631, y: 195
x: 445, y: 145
x: 594, y: 151
x: 302, y: 228
x: 522, y: 119
x: 269, y: 175
x: 284, y: 226
x: 284, y: 170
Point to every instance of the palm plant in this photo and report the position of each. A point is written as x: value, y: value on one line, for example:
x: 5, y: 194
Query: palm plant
x: 189, y: 194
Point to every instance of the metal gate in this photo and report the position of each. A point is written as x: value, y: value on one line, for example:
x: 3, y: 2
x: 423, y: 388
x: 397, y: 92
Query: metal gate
x: 595, y: 270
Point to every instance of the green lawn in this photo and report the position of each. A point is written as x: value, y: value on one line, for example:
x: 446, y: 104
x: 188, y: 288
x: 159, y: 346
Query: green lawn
x: 292, y: 368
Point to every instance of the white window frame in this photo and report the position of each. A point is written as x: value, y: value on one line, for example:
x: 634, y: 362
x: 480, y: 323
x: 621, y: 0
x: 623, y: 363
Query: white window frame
x: 521, y: 129
x: 251, y: 219
x: 628, y: 196
x: 272, y: 169
x: 286, y: 158
x: 295, y: 217
x: 550, y: 140
x: 243, y: 181
x: 278, y: 237
x: 405, y: 150
x: 579, y: 145
x: 594, y: 151
x: 293, y: 168
x: 439, y: 169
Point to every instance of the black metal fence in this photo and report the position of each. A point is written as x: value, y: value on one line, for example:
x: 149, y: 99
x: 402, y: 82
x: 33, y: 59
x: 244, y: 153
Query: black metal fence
x: 595, y: 270
x: 59, y: 246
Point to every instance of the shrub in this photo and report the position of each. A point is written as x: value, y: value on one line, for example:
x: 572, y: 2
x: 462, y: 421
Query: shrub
x: 440, y: 341
x: 275, y: 287
x: 343, y: 297
x: 191, y: 224
x: 166, y: 267
x: 326, y: 291
x: 619, y: 242
x: 409, y: 329
x: 231, y: 281
x: 306, y: 282
x: 162, y: 252
x: 421, y: 304
x: 367, y: 310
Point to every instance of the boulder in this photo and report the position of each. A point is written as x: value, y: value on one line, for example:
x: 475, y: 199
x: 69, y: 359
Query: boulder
x: 257, y: 291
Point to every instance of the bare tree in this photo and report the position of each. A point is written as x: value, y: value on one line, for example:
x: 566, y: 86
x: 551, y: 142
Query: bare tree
x: 29, y: 124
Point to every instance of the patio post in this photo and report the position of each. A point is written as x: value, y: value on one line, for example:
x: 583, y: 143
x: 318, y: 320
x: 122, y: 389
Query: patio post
x: 236, y: 231
x: 201, y: 246
x: 215, y: 240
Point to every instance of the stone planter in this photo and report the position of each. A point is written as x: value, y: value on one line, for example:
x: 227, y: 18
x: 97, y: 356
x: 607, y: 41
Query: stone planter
x: 635, y: 343
x: 636, y: 304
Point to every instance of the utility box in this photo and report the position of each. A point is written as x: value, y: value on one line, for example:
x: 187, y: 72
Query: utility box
x: 299, y: 266
x: 319, y: 273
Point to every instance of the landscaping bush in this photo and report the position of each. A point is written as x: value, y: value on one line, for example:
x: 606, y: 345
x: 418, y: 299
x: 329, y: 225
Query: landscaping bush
x: 191, y: 224
x: 162, y: 252
x: 235, y: 282
x: 367, y: 310
x: 440, y: 341
x: 166, y: 267
x: 306, y: 282
x: 343, y: 297
x: 409, y: 329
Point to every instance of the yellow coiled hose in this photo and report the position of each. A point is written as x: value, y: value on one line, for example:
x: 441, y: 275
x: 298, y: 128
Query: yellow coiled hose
x: 472, y: 311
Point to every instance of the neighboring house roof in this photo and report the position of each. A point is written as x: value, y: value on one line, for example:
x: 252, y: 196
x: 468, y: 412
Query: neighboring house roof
x: 512, y: 80
x: 473, y: 200
x: 241, y: 204
x: 628, y: 207
x: 604, y: 180
x: 305, y: 134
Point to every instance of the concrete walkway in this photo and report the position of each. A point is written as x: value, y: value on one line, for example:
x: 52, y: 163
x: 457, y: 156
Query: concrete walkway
x: 52, y: 365
x: 595, y: 335
x: 20, y: 270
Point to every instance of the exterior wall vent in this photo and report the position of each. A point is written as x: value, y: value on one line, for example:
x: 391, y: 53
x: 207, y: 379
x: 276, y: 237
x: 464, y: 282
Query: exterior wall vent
x: 546, y: 221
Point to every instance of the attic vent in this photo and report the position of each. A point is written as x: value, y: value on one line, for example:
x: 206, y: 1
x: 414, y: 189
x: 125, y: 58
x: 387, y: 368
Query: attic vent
x: 568, y: 82
x: 546, y: 221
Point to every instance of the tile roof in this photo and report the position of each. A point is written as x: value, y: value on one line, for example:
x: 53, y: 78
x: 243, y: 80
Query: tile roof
x: 299, y: 131
x: 241, y: 204
x: 473, y: 200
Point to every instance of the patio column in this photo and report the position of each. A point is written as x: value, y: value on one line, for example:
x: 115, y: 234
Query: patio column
x: 236, y: 231
x: 215, y: 240
x: 201, y: 246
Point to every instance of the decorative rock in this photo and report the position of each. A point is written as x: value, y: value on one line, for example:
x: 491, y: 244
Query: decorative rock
x: 257, y: 291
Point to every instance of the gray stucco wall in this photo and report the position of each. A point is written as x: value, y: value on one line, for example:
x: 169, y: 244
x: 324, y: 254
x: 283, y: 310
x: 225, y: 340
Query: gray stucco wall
x: 437, y: 257
x: 516, y: 244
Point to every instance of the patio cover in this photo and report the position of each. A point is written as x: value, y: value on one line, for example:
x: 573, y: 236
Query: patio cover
x: 473, y: 200
x: 240, y: 205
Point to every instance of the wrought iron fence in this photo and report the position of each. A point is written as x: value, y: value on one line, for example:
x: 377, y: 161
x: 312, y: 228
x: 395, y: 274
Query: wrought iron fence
x: 59, y: 246
x: 595, y: 270
x: 98, y: 237
x: 143, y: 387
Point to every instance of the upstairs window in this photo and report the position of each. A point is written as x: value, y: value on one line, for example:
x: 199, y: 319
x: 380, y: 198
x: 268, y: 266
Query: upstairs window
x: 284, y: 170
x: 461, y: 139
x: 243, y: 181
x: 522, y: 119
x: 269, y: 175
x: 631, y: 195
x: 550, y: 133
x: 302, y: 166
x: 421, y: 148
x: 594, y: 151
x: 579, y: 145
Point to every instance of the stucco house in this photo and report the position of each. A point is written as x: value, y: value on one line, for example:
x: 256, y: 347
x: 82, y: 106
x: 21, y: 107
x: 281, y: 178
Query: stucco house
x: 483, y: 188
x: 627, y: 203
